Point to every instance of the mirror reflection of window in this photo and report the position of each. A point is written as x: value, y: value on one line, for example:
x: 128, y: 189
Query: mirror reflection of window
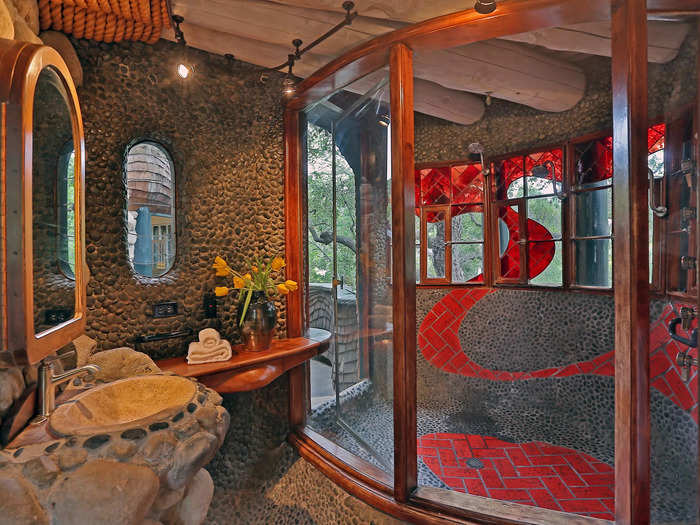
x: 66, y: 211
x: 150, y: 181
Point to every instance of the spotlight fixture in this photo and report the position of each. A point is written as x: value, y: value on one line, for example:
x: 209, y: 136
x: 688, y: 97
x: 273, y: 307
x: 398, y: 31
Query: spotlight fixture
x: 289, y: 87
x: 488, y: 100
x: 184, y: 68
x: 384, y: 120
x: 485, y: 7
x: 183, y: 71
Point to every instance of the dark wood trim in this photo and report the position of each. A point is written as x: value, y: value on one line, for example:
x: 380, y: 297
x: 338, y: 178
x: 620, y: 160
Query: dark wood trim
x: 456, y: 29
x: 293, y: 208
x: 631, y: 269
x: 487, y: 510
x: 22, y: 65
x: 403, y: 272
x: 673, y: 7
x: 334, y: 453
x: 357, y: 486
x: 252, y: 370
x: 294, y: 250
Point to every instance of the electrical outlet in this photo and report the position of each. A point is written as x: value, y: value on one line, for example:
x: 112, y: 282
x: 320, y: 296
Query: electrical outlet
x: 165, y: 309
x: 57, y: 316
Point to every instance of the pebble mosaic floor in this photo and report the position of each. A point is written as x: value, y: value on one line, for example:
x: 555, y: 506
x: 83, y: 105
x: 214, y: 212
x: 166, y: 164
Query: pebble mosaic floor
x: 535, y: 473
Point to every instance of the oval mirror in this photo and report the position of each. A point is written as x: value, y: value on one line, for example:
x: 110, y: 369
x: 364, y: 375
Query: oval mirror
x: 53, y: 204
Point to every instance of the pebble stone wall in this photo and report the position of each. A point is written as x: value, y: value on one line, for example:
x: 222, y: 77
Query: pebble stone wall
x: 223, y: 129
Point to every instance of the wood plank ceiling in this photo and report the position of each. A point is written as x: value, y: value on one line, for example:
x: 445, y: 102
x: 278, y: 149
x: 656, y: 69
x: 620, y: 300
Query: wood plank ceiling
x: 535, y: 69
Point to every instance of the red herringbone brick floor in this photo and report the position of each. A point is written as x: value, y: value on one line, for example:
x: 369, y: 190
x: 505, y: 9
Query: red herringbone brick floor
x: 534, y: 473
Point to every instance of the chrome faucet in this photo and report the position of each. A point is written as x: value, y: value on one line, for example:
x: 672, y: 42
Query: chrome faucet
x: 47, y: 383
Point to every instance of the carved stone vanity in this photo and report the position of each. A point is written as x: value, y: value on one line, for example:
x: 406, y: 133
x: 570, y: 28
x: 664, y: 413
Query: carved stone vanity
x: 128, y: 450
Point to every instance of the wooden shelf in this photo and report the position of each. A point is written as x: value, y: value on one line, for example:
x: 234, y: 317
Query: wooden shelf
x: 252, y: 370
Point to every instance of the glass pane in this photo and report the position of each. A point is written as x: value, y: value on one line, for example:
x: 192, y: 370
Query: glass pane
x: 150, y: 181
x: 467, y: 223
x: 510, y: 258
x: 467, y: 263
x: 594, y: 213
x: 351, y: 384
x: 417, y: 233
x: 53, y: 200
x: 66, y: 211
x: 435, y: 230
x: 435, y: 185
x: 594, y: 262
x: 594, y: 162
x: 540, y: 168
x: 467, y: 184
x: 545, y: 263
x: 656, y: 165
x: 510, y: 179
x: 544, y: 218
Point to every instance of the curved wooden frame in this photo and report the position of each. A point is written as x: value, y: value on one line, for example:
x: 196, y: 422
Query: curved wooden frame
x: 20, y: 67
x: 629, y: 67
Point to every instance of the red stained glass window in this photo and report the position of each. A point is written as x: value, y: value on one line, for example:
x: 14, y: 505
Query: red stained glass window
x: 594, y: 161
x: 467, y: 184
x: 435, y: 186
x: 656, y: 138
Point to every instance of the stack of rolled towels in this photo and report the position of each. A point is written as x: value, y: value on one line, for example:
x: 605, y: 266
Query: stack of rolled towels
x: 209, y: 349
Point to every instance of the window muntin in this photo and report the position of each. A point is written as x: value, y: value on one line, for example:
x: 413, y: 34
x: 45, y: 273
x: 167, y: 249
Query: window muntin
x: 150, y: 181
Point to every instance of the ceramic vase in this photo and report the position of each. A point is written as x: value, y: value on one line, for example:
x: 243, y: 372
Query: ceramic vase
x: 259, y: 322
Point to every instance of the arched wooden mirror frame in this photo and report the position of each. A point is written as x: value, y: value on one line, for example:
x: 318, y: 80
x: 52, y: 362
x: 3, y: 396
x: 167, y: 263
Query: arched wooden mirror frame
x: 20, y: 66
x: 399, y: 495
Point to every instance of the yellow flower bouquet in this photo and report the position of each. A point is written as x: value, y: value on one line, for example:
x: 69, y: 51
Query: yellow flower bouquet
x: 263, y: 280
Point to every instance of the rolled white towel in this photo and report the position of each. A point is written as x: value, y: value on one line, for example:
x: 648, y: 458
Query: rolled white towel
x: 209, y: 338
x: 197, y: 354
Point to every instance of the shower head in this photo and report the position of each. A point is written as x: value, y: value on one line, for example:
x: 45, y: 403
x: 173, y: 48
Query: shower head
x: 541, y: 171
x: 475, y: 148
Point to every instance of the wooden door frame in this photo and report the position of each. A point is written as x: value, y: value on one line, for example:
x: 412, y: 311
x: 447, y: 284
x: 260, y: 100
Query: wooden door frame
x: 631, y: 270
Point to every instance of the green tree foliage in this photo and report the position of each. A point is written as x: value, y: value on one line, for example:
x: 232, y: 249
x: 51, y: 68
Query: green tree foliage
x: 320, y: 206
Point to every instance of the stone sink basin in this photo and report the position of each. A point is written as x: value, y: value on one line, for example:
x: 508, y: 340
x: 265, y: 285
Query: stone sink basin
x: 122, y: 403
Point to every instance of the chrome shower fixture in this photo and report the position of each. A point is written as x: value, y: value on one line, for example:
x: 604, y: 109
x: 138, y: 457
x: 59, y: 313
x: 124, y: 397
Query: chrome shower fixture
x: 476, y: 148
x: 542, y: 171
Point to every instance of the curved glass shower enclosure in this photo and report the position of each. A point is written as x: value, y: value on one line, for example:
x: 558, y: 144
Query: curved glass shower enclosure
x: 348, y: 185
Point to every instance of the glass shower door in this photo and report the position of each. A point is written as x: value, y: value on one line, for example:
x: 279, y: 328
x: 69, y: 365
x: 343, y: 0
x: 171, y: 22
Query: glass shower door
x: 349, y: 210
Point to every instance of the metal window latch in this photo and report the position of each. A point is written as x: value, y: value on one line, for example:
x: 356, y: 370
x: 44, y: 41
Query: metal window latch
x: 687, y: 217
x: 684, y: 362
x: 687, y: 316
x: 688, y: 262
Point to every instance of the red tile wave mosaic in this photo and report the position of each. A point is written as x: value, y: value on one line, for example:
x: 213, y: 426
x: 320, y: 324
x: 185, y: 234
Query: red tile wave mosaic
x: 535, y: 473
x: 439, y: 343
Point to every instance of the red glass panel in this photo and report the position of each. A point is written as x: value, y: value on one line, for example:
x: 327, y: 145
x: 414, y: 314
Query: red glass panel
x: 417, y: 191
x: 467, y: 184
x: 656, y: 138
x: 435, y: 185
x: 509, y: 171
x: 594, y: 161
x: 555, y: 156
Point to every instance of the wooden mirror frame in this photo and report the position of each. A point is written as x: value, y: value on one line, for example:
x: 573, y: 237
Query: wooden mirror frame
x: 403, y: 498
x: 20, y: 66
